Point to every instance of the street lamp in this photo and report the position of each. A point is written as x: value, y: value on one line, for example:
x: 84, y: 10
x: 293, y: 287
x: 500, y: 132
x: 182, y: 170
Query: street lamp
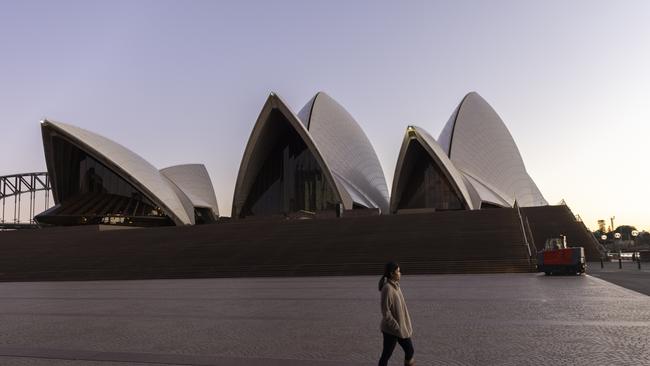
x: 605, y: 250
x: 634, y: 234
x: 620, y: 251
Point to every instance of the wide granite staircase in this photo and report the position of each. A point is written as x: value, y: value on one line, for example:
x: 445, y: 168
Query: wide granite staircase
x: 551, y: 221
x: 487, y: 241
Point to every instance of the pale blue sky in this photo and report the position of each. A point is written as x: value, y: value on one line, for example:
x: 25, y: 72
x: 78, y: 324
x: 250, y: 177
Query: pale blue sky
x: 183, y: 81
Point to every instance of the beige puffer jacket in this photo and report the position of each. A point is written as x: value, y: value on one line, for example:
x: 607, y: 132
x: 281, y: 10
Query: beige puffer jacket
x: 395, y: 316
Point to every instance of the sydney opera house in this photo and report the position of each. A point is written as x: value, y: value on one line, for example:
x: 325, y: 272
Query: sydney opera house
x: 98, y: 181
x: 310, y: 199
x: 474, y: 164
x: 317, y: 161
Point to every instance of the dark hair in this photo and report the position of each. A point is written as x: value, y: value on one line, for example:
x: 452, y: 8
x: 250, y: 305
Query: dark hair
x: 388, y: 272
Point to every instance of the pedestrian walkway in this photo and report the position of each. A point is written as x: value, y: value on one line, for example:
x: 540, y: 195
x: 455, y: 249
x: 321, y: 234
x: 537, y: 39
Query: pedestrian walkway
x: 629, y: 276
x: 498, y: 319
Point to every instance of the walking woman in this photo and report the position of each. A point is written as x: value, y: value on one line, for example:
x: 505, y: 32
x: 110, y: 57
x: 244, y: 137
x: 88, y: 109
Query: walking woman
x: 395, y: 319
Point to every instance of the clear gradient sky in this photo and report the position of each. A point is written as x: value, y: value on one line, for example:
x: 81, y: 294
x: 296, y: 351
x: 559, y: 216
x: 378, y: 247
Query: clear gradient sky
x: 183, y: 81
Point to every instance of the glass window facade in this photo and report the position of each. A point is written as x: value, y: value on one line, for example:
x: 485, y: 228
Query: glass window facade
x: 425, y: 184
x: 489, y: 205
x: 86, y: 188
x: 203, y: 215
x: 290, y: 178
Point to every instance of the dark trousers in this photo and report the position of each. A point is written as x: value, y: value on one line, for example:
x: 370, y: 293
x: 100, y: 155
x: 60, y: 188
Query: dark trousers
x: 389, y: 346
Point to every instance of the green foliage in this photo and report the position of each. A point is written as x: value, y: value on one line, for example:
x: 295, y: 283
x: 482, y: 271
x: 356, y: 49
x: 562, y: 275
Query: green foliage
x: 625, y: 230
x: 598, y: 234
x: 643, y: 238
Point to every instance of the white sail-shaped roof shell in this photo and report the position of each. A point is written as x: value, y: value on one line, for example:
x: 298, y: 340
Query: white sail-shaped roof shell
x: 194, y: 181
x: 129, y: 165
x: 347, y: 151
x: 481, y: 148
x: 256, y: 149
x: 344, y: 153
x: 439, y: 157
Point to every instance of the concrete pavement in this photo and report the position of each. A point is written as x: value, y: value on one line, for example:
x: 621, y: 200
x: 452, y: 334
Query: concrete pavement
x: 504, y: 319
x: 629, y: 276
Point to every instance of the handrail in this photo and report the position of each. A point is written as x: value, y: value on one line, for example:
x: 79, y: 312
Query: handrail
x: 523, y: 231
x: 530, y: 232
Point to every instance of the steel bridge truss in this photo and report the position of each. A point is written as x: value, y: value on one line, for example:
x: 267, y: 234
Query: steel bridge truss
x: 16, y: 186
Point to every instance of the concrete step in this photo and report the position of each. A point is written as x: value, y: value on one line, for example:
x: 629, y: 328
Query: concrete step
x: 487, y: 241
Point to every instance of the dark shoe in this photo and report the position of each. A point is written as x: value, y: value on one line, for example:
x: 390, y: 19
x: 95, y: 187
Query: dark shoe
x: 410, y: 362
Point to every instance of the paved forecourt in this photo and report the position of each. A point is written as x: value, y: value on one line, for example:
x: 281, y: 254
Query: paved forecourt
x: 504, y: 319
x: 631, y: 275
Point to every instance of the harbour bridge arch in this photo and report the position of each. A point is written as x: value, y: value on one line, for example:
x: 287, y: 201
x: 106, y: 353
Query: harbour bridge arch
x: 18, y: 191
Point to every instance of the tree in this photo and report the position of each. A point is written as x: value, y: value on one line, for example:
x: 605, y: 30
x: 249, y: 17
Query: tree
x: 598, y: 234
x: 643, y: 238
x: 625, y: 231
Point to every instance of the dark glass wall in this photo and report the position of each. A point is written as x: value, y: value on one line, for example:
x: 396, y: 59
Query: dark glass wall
x: 85, y: 187
x: 489, y: 205
x: 203, y: 215
x: 424, y: 183
x: 290, y: 178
